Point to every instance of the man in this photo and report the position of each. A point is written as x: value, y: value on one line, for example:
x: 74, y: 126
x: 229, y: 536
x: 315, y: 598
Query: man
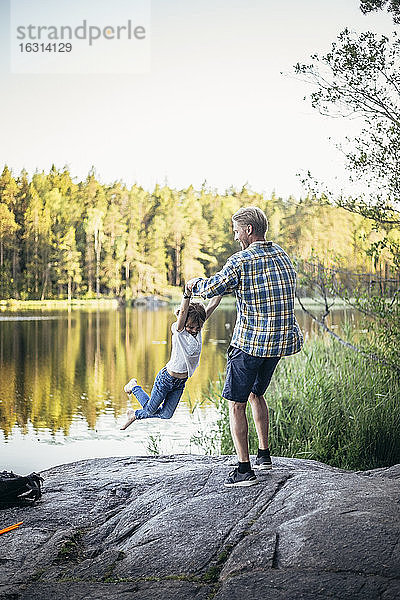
x: 264, y: 281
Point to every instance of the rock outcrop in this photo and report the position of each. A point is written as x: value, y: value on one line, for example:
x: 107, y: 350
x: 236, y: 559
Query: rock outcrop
x: 166, y: 527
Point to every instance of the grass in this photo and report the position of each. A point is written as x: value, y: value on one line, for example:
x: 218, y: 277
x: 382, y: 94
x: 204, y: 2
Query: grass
x: 72, y: 548
x: 326, y: 403
x: 153, y: 444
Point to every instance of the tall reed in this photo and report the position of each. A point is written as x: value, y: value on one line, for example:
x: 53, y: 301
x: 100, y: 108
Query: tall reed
x: 326, y: 403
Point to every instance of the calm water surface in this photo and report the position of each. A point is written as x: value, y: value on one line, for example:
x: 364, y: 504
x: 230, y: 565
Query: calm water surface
x: 62, y: 376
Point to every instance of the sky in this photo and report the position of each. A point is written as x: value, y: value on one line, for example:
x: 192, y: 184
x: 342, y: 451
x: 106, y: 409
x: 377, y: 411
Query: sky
x: 211, y: 105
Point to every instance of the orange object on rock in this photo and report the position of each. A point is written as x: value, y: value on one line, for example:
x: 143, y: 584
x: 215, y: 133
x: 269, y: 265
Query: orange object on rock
x: 11, y: 527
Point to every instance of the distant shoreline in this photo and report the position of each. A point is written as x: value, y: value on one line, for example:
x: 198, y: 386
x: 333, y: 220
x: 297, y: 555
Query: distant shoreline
x: 115, y: 303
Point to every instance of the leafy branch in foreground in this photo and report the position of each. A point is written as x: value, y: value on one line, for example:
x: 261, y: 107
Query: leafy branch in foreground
x: 392, y: 6
x: 360, y: 77
x: 380, y: 308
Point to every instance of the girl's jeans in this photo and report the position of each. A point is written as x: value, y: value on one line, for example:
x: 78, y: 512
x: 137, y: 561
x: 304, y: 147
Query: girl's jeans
x: 165, y: 395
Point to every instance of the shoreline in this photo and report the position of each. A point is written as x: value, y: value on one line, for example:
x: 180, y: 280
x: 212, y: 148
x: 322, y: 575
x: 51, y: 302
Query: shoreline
x: 115, y: 303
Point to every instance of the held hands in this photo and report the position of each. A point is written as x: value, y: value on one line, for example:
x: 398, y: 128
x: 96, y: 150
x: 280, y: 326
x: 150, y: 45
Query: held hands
x: 187, y: 293
x: 183, y: 309
x: 189, y: 285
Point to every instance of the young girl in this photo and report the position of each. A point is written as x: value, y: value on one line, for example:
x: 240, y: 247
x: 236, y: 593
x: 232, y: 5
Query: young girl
x: 185, y: 356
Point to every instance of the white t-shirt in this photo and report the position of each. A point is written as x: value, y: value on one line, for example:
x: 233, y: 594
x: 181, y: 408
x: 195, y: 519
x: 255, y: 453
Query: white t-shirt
x: 185, y: 354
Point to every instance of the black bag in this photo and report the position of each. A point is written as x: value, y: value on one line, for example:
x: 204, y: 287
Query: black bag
x: 16, y: 489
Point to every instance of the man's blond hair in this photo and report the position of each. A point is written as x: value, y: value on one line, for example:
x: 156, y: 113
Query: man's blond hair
x: 254, y: 216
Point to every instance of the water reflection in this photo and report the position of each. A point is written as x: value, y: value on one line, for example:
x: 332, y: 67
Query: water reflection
x: 62, y: 374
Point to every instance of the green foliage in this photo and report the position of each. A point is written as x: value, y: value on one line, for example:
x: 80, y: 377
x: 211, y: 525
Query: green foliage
x: 392, y: 6
x: 383, y: 325
x: 153, y: 444
x: 72, y: 549
x: 69, y: 266
x: 327, y: 404
x: 62, y: 239
x: 360, y: 77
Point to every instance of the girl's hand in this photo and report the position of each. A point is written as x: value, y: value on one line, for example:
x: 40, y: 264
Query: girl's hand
x: 189, y: 284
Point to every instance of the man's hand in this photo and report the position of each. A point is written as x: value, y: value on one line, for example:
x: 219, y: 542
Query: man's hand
x: 189, y: 284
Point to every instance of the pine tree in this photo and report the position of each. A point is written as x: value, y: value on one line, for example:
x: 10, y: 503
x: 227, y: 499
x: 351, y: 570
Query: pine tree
x: 9, y: 243
x: 8, y: 228
x: 69, y: 265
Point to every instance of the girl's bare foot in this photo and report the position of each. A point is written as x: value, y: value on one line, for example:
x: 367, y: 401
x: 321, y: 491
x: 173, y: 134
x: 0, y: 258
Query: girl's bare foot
x: 130, y: 415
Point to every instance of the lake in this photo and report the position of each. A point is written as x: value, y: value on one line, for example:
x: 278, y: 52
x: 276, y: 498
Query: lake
x: 62, y: 375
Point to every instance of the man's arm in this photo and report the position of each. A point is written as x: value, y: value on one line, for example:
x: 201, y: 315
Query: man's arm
x: 223, y: 282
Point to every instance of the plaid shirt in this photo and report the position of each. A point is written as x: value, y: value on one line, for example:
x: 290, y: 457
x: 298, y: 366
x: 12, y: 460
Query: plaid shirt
x: 264, y: 281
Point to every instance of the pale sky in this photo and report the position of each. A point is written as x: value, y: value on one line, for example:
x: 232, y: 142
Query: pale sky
x: 212, y: 107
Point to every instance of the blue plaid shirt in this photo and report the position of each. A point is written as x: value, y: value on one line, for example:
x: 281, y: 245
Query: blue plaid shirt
x: 264, y: 282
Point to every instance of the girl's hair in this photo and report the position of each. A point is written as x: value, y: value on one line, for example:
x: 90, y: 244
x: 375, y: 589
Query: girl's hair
x: 196, y: 314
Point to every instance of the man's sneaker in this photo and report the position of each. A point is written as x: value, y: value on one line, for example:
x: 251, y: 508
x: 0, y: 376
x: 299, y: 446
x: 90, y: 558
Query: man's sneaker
x: 130, y: 385
x: 241, y: 479
x: 263, y: 462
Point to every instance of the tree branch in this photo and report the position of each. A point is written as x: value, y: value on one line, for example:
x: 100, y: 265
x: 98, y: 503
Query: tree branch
x: 323, y: 326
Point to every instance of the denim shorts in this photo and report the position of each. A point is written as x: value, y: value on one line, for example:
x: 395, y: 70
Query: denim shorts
x: 246, y: 373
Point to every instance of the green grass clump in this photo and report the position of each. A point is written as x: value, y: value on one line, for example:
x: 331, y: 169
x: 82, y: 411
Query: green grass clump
x: 327, y: 403
x: 72, y: 548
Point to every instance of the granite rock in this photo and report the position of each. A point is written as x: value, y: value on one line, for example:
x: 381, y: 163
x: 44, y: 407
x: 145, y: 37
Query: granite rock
x: 166, y: 527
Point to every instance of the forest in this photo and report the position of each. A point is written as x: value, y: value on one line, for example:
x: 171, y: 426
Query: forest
x: 64, y: 238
